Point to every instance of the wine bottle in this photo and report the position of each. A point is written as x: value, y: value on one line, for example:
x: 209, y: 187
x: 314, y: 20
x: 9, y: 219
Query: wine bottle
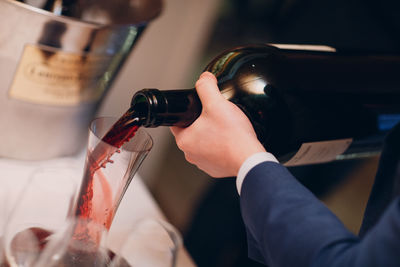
x: 305, y: 106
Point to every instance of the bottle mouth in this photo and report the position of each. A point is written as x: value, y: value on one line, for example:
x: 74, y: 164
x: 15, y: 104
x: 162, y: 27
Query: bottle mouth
x: 147, y: 103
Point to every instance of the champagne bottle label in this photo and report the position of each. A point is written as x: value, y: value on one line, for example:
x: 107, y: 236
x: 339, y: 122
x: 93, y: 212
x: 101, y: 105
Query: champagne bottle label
x: 319, y: 152
x: 46, y: 75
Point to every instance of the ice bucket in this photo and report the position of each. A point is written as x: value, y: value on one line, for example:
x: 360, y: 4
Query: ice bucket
x: 55, y: 70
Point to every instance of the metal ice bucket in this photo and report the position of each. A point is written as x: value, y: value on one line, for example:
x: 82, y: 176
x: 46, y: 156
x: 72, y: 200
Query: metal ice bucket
x: 55, y: 70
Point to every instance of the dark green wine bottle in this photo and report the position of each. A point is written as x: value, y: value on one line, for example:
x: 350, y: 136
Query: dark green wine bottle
x: 305, y: 106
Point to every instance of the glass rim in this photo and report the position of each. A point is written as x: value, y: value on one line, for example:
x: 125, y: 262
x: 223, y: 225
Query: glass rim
x: 123, y: 147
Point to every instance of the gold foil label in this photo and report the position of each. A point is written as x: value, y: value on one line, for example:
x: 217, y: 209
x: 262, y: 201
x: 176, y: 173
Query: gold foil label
x: 48, y: 76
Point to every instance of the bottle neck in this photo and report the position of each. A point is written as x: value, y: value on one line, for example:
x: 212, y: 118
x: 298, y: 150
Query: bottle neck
x: 154, y: 107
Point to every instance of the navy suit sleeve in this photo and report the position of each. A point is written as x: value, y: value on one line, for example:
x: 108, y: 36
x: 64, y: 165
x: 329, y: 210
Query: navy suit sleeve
x: 288, y: 226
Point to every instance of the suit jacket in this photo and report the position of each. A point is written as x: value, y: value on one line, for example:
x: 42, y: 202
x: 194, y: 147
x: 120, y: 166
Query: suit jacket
x: 288, y: 226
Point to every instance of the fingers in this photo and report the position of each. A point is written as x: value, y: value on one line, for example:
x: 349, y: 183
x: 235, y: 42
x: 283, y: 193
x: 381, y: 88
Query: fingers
x: 207, y: 88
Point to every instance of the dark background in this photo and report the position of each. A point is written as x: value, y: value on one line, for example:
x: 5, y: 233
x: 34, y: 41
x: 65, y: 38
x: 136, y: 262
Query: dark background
x: 216, y: 235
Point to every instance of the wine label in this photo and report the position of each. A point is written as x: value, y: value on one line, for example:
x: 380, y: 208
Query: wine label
x: 46, y: 75
x: 319, y: 152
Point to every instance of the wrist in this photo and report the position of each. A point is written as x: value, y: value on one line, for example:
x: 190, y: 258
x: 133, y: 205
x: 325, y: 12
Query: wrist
x: 246, y: 152
x: 250, y: 163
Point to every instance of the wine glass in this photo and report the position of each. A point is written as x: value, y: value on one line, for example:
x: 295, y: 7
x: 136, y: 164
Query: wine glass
x: 150, y: 243
x: 42, y: 210
x: 108, y: 171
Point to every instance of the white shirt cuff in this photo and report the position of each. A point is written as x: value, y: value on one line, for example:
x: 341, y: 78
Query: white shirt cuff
x: 251, y: 162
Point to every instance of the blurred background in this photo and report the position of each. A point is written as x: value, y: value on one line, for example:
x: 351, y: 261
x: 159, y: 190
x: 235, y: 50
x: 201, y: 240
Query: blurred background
x: 172, y: 53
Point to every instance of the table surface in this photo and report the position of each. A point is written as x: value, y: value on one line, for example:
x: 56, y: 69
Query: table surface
x: 136, y: 204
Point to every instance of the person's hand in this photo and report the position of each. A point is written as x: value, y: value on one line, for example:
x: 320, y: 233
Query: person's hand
x: 222, y: 138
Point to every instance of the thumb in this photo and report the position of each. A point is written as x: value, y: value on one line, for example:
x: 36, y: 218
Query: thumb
x: 207, y: 88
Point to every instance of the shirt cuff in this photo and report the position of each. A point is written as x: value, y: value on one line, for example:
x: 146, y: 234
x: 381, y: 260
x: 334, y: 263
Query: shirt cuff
x: 251, y: 162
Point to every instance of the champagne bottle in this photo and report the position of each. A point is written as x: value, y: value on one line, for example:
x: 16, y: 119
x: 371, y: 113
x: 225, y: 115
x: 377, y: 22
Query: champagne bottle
x: 305, y: 106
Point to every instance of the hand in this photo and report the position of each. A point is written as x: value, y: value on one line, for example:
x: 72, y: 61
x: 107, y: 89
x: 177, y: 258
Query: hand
x: 222, y: 137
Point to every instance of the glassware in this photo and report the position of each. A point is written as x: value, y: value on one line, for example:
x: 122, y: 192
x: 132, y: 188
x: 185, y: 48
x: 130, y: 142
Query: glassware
x: 55, y: 224
x: 64, y: 250
x: 108, y: 172
x: 42, y: 210
x: 151, y: 243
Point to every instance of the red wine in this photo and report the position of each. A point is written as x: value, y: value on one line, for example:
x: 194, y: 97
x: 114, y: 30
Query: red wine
x: 98, y: 207
x: 123, y: 130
